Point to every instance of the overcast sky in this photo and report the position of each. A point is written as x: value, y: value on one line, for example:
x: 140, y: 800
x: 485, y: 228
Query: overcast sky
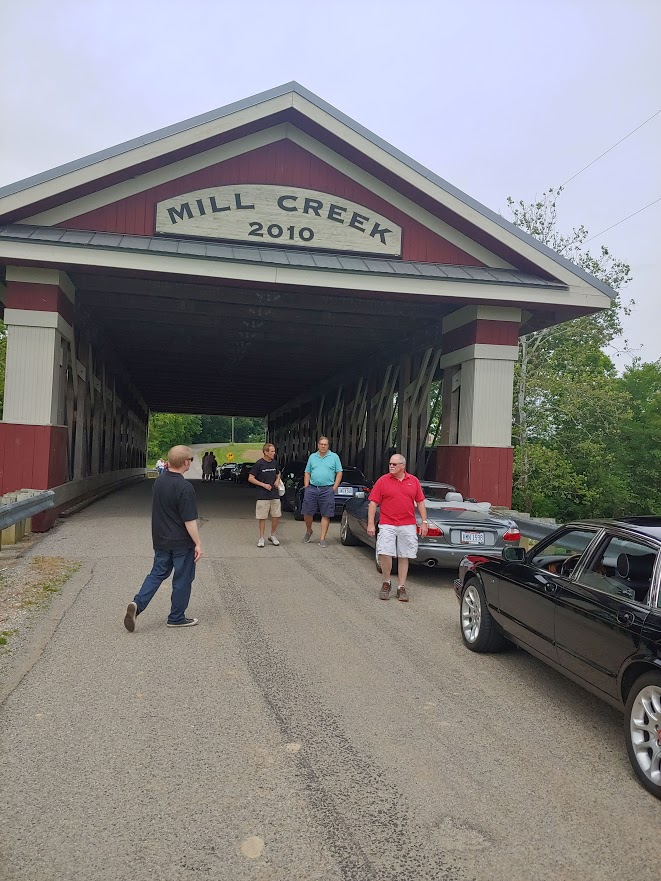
x: 499, y: 98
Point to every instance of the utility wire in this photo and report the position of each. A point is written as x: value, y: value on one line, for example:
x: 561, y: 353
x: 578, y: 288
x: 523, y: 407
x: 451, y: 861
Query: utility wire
x: 623, y: 219
x: 611, y: 148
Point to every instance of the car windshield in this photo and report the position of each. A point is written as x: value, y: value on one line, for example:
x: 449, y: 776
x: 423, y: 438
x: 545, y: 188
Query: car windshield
x: 436, y: 492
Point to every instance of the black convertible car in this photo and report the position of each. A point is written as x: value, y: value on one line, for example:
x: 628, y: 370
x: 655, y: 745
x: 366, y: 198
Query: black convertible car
x: 586, y: 601
x: 353, y: 481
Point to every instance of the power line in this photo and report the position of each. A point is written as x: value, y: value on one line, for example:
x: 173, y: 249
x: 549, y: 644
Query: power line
x: 623, y: 219
x: 611, y: 148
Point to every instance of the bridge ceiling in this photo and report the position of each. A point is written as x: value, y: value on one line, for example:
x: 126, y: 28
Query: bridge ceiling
x: 211, y: 348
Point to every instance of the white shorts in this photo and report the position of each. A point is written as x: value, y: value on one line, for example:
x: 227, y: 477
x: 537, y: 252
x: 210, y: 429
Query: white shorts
x: 397, y: 541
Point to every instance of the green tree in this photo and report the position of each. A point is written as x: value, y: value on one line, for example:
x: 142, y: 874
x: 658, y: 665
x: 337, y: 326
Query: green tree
x: 568, y: 403
x: 640, y: 437
x: 168, y: 429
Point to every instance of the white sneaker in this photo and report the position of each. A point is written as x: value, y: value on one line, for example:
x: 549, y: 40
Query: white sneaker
x: 260, y: 543
x: 274, y: 540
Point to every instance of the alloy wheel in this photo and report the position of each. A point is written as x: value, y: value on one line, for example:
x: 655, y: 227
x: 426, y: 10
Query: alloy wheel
x: 645, y: 732
x: 471, y: 613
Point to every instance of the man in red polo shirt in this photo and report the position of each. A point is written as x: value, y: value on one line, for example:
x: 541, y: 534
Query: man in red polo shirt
x: 396, y: 493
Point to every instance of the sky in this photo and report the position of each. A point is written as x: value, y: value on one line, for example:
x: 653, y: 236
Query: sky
x: 500, y: 99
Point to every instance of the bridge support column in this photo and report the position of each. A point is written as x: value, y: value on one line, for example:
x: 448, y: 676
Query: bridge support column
x: 480, y: 348
x: 39, y: 308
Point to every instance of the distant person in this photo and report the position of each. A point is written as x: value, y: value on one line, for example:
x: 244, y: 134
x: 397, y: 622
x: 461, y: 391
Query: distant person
x: 176, y: 541
x: 160, y: 466
x: 206, y: 466
x: 265, y: 475
x: 214, y: 467
x: 396, y: 493
x: 323, y: 475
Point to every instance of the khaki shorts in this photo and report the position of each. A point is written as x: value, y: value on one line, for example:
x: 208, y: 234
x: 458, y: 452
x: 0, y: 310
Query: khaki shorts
x: 266, y: 508
x: 397, y: 541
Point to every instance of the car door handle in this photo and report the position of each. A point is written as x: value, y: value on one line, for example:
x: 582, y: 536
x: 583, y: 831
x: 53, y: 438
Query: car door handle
x: 626, y: 618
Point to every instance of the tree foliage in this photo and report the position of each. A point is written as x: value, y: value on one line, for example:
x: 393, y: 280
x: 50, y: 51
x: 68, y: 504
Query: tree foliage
x: 579, y: 429
x: 218, y: 429
x: 168, y: 429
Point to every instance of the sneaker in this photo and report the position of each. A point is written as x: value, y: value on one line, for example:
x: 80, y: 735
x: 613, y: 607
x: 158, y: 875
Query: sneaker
x: 274, y: 540
x: 260, y: 543
x: 385, y: 591
x: 402, y: 595
x: 185, y: 622
x: 129, y: 618
x: 323, y: 544
x: 307, y: 537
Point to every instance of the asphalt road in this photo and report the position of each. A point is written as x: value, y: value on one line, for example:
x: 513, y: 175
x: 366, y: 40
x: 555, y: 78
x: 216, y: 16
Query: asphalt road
x: 304, y: 730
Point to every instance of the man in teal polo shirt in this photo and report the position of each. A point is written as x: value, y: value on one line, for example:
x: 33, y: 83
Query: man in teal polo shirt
x: 323, y: 475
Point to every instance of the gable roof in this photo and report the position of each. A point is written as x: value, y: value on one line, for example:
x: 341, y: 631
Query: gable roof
x: 293, y: 96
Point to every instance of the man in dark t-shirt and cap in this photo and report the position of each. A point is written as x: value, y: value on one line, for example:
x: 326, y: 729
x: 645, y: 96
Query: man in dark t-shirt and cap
x: 176, y: 542
x: 265, y: 475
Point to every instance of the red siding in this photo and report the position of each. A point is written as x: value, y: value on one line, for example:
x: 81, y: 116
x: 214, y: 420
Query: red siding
x: 40, y: 297
x: 32, y: 456
x: 500, y: 333
x: 283, y: 163
x: 482, y: 473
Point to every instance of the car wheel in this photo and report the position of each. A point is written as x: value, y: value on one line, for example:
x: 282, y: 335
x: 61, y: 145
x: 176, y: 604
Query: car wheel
x: 298, y: 513
x: 478, y: 628
x: 346, y: 535
x: 643, y: 730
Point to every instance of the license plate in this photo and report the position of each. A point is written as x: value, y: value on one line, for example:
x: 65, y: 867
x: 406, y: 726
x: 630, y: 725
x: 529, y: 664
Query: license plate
x: 472, y: 538
x: 345, y: 491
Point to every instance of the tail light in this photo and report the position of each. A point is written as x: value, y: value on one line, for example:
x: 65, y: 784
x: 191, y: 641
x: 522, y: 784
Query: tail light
x: 512, y: 534
x: 433, y: 530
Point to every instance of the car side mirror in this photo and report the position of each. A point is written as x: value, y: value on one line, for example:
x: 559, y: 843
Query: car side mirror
x: 514, y: 555
x: 359, y: 495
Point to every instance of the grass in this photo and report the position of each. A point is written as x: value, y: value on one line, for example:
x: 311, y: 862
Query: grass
x: 47, y: 575
x: 4, y: 636
x: 238, y: 452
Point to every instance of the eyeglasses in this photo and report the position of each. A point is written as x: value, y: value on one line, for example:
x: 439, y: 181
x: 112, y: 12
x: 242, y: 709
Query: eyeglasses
x: 190, y: 459
x: 394, y: 464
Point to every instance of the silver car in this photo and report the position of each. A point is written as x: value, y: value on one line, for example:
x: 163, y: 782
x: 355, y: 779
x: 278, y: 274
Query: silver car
x: 456, y: 527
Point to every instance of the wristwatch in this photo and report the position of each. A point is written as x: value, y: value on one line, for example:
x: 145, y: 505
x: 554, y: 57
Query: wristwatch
x: 425, y: 521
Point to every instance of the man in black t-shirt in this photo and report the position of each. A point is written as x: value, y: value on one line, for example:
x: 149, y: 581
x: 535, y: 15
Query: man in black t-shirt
x: 265, y: 475
x: 176, y: 542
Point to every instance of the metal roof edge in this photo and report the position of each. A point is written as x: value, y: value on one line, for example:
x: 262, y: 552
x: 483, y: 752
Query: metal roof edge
x: 291, y: 88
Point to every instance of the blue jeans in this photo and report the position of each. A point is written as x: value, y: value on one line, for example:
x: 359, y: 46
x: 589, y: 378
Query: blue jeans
x: 183, y: 563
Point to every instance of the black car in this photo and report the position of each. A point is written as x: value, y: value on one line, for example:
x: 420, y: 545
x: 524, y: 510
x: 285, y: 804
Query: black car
x: 586, y: 601
x: 226, y: 470
x: 353, y: 481
x: 241, y: 471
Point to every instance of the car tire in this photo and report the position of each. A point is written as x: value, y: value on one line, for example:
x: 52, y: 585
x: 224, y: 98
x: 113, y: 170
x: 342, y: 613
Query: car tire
x: 347, y: 537
x: 298, y: 513
x: 642, y: 729
x: 479, y: 631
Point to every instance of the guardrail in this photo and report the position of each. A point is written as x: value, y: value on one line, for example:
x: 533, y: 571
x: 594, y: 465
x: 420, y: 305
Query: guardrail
x: 17, y: 510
